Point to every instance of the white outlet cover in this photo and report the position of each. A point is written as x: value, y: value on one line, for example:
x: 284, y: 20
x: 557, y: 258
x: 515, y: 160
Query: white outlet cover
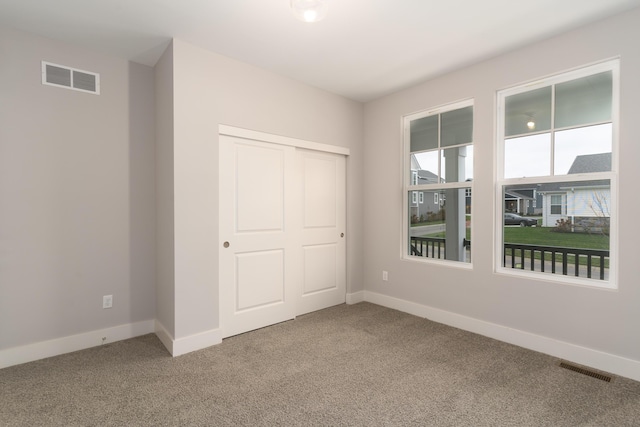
x: 107, y: 301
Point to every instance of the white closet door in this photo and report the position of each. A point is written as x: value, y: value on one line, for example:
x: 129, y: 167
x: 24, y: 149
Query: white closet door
x: 282, y: 232
x: 323, y: 199
x: 259, y: 257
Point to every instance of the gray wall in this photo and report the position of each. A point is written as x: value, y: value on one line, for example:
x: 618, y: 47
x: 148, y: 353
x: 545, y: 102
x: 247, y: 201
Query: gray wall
x: 598, y: 319
x: 77, y: 198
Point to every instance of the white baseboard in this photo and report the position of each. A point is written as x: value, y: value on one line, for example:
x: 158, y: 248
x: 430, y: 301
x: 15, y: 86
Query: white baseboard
x: 355, y: 297
x: 607, y: 362
x: 58, y: 346
x: 180, y: 346
x: 164, y: 336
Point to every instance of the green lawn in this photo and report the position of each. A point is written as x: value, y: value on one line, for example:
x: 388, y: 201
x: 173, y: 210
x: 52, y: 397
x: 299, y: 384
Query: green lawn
x: 436, y: 222
x: 420, y: 224
x: 441, y: 234
x: 544, y: 236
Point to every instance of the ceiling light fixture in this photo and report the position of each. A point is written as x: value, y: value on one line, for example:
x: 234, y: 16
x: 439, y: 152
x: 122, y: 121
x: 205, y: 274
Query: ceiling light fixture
x: 531, y: 124
x: 309, y: 10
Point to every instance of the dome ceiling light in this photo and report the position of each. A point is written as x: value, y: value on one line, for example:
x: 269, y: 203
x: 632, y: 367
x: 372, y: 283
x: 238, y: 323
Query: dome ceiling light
x: 309, y: 10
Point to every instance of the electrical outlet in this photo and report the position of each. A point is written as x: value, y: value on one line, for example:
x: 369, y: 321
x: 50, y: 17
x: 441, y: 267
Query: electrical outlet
x: 107, y: 301
x: 385, y: 276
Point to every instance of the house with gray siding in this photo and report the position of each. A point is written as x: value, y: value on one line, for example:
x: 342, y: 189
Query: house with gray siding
x: 582, y: 202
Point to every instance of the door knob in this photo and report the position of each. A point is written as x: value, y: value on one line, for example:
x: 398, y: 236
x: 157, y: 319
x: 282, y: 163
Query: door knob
x: 225, y: 244
x: 341, y: 234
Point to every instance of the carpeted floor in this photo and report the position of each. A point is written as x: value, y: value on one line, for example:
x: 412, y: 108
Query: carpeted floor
x: 361, y: 365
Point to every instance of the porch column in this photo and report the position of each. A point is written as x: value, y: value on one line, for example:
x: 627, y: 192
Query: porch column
x: 455, y: 214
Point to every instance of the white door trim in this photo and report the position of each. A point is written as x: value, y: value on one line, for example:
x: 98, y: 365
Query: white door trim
x: 282, y: 140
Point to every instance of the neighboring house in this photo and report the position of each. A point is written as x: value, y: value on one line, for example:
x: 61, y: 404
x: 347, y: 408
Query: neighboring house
x: 423, y: 203
x: 523, y: 199
x: 582, y: 202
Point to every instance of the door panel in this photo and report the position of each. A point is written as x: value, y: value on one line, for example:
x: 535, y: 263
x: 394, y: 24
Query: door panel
x: 320, y: 191
x: 320, y: 269
x: 261, y: 265
x: 323, y: 227
x: 260, y: 189
x: 266, y: 268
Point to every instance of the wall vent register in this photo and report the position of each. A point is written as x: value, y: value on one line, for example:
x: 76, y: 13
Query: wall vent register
x: 70, y: 78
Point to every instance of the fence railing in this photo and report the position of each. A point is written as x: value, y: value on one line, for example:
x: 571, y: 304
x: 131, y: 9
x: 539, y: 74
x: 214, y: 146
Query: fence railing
x: 432, y: 247
x: 541, y: 258
x: 583, y: 262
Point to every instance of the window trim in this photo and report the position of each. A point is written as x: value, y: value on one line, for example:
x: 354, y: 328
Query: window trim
x: 500, y: 181
x: 561, y: 204
x: 437, y: 187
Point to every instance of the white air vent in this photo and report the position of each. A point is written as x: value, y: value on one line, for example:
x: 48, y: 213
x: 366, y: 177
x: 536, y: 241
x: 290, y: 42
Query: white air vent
x: 70, y: 78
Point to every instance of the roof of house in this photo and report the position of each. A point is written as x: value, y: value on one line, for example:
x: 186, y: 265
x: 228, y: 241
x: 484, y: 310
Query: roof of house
x: 425, y: 175
x: 516, y: 195
x: 586, y: 163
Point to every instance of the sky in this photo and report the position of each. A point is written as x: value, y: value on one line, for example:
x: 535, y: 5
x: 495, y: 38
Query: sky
x: 531, y: 155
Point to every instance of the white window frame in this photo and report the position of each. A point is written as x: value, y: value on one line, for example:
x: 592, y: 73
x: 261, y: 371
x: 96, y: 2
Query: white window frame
x: 406, y: 188
x: 561, y: 204
x: 612, y: 65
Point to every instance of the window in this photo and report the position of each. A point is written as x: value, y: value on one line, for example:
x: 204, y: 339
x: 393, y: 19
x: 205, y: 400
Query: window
x: 555, y: 204
x: 438, y: 148
x: 557, y: 174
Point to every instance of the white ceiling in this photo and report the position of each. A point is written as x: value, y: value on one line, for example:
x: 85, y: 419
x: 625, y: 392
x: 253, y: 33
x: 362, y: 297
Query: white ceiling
x: 363, y: 49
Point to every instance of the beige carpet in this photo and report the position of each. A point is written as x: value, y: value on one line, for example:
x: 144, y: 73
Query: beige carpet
x: 361, y: 365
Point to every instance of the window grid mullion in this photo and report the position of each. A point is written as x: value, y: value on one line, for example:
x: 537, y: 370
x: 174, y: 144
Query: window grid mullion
x: 553, y: 131
x: 439, y: 148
